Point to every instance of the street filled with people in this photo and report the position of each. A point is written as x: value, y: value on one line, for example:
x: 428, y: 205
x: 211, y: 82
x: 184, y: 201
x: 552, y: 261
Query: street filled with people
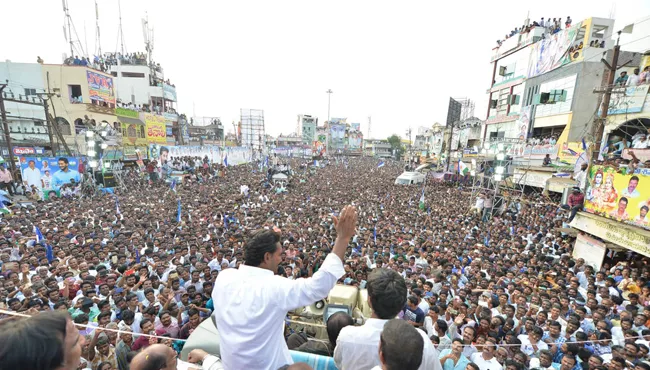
x: 487, y: 285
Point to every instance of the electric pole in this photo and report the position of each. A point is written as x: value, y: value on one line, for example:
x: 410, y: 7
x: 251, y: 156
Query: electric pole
x: 607, y: 95
x: 5, y: 128
x: 329, y: 93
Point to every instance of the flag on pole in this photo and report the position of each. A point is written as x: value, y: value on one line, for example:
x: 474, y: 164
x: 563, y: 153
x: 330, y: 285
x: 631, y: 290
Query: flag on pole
x: 462, y: 168
x: 137, y: 255
x: 381, y: 164
x: 173, y: 185
x: 178, y: 214
x: 374, y: 234
x: 584, y: 144
x: 117, y: 206
x: 225, y: 160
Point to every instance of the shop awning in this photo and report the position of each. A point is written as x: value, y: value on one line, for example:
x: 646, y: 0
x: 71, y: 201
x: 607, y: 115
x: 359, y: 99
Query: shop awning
x: 130, y: 121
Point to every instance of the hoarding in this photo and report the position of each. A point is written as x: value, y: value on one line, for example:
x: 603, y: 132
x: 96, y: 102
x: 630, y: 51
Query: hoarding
x: 551, y: 52
x: 156, y: 129
x: 45, y: 173
x: 100, y: 88
x: 628, y: 99
x: 620, y: 196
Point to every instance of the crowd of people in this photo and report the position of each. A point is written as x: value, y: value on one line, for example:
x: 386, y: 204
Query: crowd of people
x: 489, y: 290
x: 550, y: 27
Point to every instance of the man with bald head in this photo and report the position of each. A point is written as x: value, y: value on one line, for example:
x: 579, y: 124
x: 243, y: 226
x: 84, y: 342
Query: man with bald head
x: 155, y: 357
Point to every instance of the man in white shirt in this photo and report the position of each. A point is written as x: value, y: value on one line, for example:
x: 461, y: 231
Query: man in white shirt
x: 633, y: 80
x: 581, y: 176
x: 253, y: 301
x: 485, y: 360
x: 532, y: 343
x: 357, y: 348
x: 400, y: 347
x: 32, y: 176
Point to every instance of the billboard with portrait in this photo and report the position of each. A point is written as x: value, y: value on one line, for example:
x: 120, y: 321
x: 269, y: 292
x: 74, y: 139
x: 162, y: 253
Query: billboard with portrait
x: 45, y: 173
x: 100, y: 87
x: 620, y: 196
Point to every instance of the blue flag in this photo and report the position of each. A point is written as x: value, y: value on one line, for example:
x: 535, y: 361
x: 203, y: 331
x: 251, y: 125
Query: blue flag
x: 584, y: 144
x: 225, y: 221
x: 225, y: 160
x: 374, y: 233
x: 117, y: 206
x: 48, y: 248
x: 39, y: 235
x: 173, y: 185
x: 137, y: 255
x: 178, y: 215
x: 381, y: 164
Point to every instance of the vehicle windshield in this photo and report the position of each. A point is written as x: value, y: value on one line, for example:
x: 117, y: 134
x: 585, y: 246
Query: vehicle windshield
x: 403, y: 181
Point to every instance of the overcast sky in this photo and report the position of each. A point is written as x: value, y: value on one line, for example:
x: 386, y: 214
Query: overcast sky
x: 398, y: 62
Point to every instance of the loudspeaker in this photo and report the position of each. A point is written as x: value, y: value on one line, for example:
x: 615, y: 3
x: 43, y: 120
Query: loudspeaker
x: 107, y: 179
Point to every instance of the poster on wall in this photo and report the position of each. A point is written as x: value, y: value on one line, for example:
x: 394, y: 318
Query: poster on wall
x: 100, y: 88
x: 49, y: 174
x: 523, y: 122
x: 619, y: 196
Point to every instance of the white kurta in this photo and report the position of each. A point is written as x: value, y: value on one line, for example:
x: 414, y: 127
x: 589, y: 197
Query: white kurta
x: 250, y: 306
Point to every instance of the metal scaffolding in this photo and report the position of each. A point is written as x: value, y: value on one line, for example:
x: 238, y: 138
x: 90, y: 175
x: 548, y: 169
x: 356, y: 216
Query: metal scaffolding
x: 252, y: 131
x: 509, y: 186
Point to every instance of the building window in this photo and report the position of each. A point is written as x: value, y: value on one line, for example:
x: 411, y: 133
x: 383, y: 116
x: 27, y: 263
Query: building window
x: 74, y: 91
x: 133, y: 74
x: 30, y: 92
x: 131, y: 132
x: 561, y: 91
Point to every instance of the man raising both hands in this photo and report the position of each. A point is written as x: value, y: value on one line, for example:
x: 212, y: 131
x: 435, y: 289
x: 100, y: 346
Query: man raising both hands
x: 251, y: 302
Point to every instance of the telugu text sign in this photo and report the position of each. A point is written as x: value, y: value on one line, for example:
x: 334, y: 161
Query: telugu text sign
x: 156, y: 129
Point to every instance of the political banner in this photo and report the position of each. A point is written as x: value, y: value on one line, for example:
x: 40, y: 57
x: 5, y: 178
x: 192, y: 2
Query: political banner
x: 551, y: 52
x: 620, y: 196
x: 100, y: 87
x: 156, y: 128
x: 48, y: 174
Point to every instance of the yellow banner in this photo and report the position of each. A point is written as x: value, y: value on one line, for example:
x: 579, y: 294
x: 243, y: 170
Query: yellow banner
x: 619, y: 195
x: 156, y: 129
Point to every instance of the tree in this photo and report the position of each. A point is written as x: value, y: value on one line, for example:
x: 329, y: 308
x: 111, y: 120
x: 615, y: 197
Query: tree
x: 396, y: 145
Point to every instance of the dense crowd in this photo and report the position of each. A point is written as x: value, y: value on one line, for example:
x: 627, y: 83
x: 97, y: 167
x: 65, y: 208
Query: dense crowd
x: 492, y: 289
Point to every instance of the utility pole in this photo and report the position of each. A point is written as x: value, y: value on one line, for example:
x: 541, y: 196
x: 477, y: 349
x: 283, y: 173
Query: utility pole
x: 5, y: 128
x: 611, y: 73
x: 329, y: 93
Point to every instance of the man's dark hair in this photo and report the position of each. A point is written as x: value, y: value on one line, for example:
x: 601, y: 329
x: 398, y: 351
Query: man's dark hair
x: 401, y: 346
x: 34, y: 343
x: 387, y: 292
x: 260, y: 243
x: 64, y: 160
x: 625, y: 199
x: 335, y: 323
x: 635, y: 177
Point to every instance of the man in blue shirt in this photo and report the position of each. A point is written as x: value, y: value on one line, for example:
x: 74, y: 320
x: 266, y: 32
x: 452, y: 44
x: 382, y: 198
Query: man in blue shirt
x: 454, y: 359
x: 64, y: 175
x: 412, y: 313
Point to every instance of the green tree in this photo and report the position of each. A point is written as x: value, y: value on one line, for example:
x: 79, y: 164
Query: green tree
x: 396, y: 145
